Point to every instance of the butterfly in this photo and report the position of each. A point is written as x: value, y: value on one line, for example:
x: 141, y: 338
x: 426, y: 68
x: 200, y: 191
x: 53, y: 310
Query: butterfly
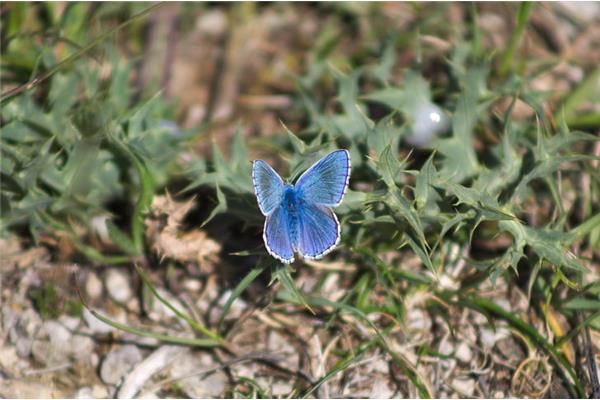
x: 299, y: 218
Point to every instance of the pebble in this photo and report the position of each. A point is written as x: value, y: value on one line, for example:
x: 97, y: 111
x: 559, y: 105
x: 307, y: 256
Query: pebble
x: 463, y: 352
x: 82, y: 347
x: 418, y: 320
x: 99, y: 392
x: 199, y: 386
x: 118, y: 362
x: 281, y: 388
x: 95, y: 325
x: 148, y: 395
x: 465, y: 386
x: 587, y: 11
x: 159, y: 311
x: 381, y: 390
x: 381, y: 366
x: 212, y: 23
x: 93, y: 286
x: 117, y: 284
x: 10, y: 362
x: 489, y: 337
x: 280, y: 345
x: 23, y: 332
x: 193, y: 285
x: 69, y: 322
x: 58, y: 334
x: 142, y: 373
x: 84, y: 393
x: 56, y: 348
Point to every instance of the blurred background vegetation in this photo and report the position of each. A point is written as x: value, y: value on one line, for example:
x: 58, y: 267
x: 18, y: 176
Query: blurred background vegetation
x: 127, y: 134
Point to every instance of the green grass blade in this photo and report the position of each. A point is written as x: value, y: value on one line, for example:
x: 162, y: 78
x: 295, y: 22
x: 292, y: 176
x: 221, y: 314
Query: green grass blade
x: 587, y: 91
x: 584, y: 228
x: 163, y: 338
x: 507, y: 59
x: 239, y: 289
x: 399, y: 273
x: 194, y: 324
x: 283, y: 275
x: 585, y: 323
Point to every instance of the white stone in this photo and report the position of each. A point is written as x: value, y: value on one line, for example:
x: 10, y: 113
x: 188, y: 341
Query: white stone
x: 212, y: 22
x: 586, y: 10
x: 23, y: 332
x: 418, y: 320
x: 95, y: 325
x: 56, y: 348
x: 69, y: 322
x: 118, y: 363
x: 93, y: 286
x: 84, y: 393
x: 99, y: 392
x: 117, y: 284
x: 82, y: 347
x: 465, y: 386
x: 281, y: 388
x: 149, y: 395
x: 380, y: 390
x: 464, y: 353
x: 489, y: 338
x: 58, y: 334
x: 198, y: 386
x: 193, y: 285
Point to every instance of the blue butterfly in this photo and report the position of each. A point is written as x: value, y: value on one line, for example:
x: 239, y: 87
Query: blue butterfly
x: 299, y: 217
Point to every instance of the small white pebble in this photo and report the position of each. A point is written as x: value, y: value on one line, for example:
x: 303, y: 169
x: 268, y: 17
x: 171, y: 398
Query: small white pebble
x: 93, y: 286
x: 117, y: 284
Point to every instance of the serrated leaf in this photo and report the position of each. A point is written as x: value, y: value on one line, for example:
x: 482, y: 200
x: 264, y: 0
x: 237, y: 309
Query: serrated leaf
x: 282, y: 274
x: 220, y: 208
x: 297, y: 143
x: 423, y: 182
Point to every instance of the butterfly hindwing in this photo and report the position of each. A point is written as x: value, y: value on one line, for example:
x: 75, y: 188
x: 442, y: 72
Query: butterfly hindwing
x: 277, y: 236
x: 267, y: 185
x: 325, y: 183
x: 318, y: 230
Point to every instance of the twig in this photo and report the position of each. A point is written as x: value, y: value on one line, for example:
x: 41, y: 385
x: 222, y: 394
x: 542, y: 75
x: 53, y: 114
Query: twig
x: 46, y: 370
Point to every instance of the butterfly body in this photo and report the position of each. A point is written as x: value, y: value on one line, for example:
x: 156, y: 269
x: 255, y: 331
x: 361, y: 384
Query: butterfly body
x: 299, y: 217
x: 292, y: 205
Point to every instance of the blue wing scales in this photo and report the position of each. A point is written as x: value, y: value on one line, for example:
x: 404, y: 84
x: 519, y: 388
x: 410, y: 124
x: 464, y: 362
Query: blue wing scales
x: 325, y: 183
x: 277, y: 237
x: 318, y: 230
x: 268, y: 186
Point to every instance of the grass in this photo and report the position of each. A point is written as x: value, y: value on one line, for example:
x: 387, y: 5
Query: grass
x: 73, y: 142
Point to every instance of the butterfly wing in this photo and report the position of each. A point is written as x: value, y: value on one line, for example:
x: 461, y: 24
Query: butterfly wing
x: 277, y: 236
x: 325, y: 183
x: 268, y: 186
x: 318, y: 230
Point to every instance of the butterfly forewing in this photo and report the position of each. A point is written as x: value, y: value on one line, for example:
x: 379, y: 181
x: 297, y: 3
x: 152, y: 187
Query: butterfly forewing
x: 326, y: 181
x: 267, y: 185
